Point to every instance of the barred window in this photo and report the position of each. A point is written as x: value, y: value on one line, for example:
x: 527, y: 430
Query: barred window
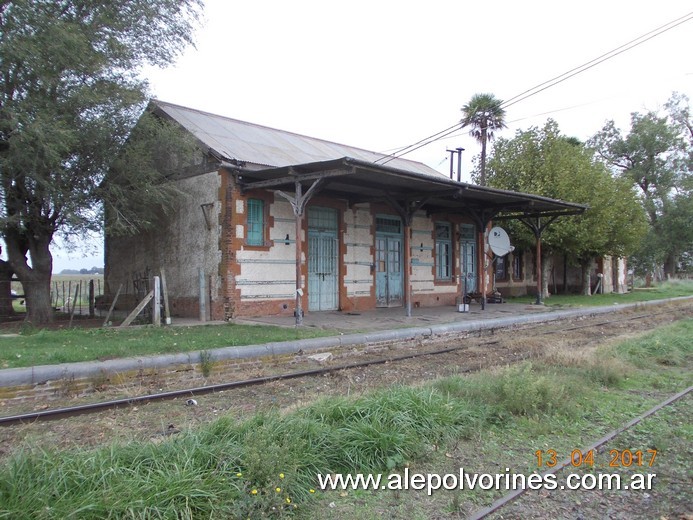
x: 443, y: 251
x: 517, y: 265
x: 256, y: 222
x: 501, y: 268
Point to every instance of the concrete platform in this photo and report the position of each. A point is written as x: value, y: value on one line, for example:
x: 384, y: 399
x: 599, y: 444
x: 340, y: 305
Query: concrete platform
x: 395, y: 317
x: 377, y: 326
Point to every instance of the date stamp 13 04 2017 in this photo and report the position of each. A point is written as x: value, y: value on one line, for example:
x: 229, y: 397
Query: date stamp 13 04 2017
x: 614, y: 459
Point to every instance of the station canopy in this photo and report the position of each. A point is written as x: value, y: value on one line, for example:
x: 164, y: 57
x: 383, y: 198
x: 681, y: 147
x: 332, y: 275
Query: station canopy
x: 358, y: 181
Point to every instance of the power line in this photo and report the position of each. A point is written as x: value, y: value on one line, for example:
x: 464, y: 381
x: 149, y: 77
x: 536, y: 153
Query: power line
x: 420, y: 144
x: 406, y: 149
x: 596, y: 61
x: 546, y: 84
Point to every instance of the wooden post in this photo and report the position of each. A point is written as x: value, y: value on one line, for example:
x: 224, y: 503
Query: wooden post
x: 211, y: 286
x: 91, y: 298
x: 164, y: 291
x: 137, y: 309
x: 113, y: 304
x: 69, y: 293
x: 72, y: 313
x: 203, y: 296
x: 156, y: 304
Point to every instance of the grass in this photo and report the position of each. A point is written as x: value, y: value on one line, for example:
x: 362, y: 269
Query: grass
x: 267, y: 465
x: 46, y: 347
x: 670, y: 348
x: 42, y: 347
x: 671, y: 289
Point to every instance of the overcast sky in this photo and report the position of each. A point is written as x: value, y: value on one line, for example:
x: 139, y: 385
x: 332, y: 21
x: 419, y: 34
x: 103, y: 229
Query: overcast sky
x: 383, y: 75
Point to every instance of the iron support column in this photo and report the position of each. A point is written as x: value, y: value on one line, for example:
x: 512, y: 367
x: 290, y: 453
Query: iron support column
x: 298, y: 203
x: 407, y: 265
x: 538, y: 229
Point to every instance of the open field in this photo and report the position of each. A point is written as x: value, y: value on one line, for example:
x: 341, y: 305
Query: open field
x: 70, y: 280
x: 64, y: 287
x: 265, y: 464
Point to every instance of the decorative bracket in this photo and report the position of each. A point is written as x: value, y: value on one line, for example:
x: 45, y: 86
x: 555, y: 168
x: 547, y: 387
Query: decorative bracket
x: 207, y: 212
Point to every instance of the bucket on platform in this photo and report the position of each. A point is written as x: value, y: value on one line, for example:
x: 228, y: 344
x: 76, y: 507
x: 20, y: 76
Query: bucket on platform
x: 462, y: 307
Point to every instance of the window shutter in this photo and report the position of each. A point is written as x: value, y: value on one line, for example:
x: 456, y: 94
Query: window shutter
x: 256, y: 223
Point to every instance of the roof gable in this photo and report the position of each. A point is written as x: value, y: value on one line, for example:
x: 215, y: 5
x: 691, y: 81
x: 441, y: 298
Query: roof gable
x: 232, y: 139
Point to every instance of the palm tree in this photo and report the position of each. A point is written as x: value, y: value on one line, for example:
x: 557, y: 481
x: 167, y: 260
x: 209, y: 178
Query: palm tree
x: 483, y: 114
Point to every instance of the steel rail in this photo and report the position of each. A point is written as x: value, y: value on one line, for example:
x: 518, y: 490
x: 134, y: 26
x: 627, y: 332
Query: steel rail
x: 57, y: 413
x: 599, y: 324
x: 506, y: 499
x: 64, y: 412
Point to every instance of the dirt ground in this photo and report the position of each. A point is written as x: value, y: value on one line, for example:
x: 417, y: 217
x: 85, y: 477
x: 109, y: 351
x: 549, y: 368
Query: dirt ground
x: 14, y: 324
x: 156, y: 420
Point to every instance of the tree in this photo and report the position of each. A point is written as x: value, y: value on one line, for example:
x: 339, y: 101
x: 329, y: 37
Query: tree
x: 544, y: 162
x: 69, y: 96
x: 680, y: 114
x: 6, y: 308
x: 657, y: 157
x: 484, y: 114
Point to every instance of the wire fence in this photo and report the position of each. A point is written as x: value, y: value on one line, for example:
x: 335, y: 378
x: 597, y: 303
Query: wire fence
x: 85, y: 296
x: 70, y: 294
x: 76, y: 296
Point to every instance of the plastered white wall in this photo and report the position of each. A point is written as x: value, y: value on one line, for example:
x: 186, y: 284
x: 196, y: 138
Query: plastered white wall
x: 182, y: 243
x: 270, y: 274
x: 358, y: 258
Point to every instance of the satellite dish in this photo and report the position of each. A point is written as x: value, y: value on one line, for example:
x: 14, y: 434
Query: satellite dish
x: 499, y: 242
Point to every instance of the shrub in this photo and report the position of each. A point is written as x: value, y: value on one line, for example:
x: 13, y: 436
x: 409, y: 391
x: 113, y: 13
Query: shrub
x: 517, y: 390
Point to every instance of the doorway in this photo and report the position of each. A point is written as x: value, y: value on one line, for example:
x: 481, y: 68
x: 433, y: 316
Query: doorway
x: 388, y: 261
x: 323, y: 272
x: 468, y: 255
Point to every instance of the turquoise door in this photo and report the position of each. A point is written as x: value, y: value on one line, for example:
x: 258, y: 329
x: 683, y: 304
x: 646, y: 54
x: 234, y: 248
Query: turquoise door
x: 323, y: 248
x: 468, y: 256
x: 388, y: 262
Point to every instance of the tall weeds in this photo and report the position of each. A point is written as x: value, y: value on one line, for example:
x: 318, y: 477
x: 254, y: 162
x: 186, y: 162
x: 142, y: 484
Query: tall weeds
x: 267, y: 465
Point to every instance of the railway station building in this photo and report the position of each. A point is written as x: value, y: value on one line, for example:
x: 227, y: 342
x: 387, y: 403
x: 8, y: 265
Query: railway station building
x: 276, y: 223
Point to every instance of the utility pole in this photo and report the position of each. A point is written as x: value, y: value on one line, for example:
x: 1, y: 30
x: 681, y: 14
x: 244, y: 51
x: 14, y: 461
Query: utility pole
x: 452, y: 156
x: 457, y: 151
x: 459, y: 164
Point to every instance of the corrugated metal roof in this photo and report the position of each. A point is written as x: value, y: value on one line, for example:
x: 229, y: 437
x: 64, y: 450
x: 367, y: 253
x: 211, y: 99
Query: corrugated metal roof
x: 362, y: 181
x: 233, y: 139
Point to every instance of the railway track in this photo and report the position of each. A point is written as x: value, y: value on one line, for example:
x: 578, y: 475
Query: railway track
x: 154, y: 416
x: 65, y: 412
x: 91, y: 408
x: 505, y: 500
